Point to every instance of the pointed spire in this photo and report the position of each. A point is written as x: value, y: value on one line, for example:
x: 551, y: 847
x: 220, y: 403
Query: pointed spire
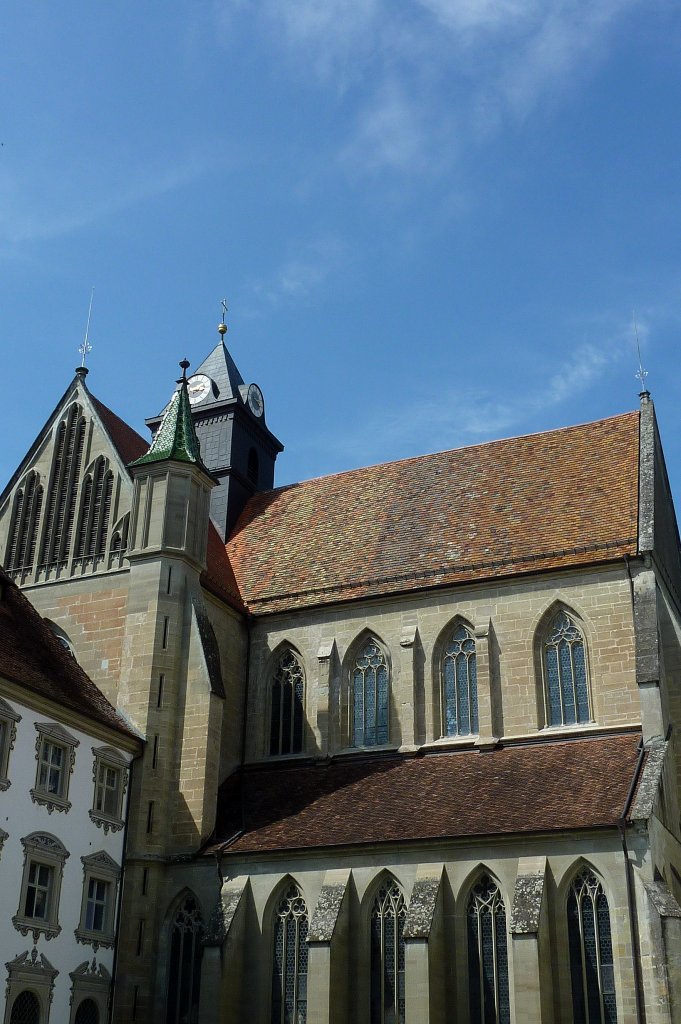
x: 176, y: 437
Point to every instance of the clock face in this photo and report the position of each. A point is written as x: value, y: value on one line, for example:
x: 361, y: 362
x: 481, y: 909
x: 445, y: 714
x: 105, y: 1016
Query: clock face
x: 198, y: 387
x: 256, y: 403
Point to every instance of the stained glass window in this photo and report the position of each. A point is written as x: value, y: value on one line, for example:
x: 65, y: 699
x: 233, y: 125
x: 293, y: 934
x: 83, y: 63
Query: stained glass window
x: 184, y: 971
x: 567, y: 695
x: 286, y: 721
x: 488, y: 955
x: 370, y: 696
x: 289, y: 968
x: 387, y: 955
x: 591, y: 958
x: 460, y: 685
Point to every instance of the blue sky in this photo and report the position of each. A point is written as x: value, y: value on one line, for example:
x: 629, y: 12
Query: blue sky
x: 431, y: 218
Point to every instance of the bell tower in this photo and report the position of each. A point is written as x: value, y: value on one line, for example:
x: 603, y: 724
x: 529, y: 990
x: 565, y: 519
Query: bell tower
x: 237, y: 447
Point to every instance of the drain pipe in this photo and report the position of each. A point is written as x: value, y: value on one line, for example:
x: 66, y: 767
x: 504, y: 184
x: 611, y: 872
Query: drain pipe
x: 633, y: 923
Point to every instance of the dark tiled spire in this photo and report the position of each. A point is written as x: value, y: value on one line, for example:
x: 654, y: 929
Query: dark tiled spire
x: 175, y: 438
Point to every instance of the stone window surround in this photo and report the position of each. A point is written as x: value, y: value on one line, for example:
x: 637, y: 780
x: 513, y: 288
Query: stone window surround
x: 44, y: 849
x: 8, y: 718
x: 90, y: 980
x: 109, y: 757
x: 31, y: 971
x: 541, y: 632
x: 56, y: 734
x: 103, y: 868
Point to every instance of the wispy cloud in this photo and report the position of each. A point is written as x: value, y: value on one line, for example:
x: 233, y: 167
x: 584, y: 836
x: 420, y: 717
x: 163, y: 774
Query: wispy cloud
x: 408, y: 70
x: 437, y: 423
x: 37, y: 211
x: 304, y: 271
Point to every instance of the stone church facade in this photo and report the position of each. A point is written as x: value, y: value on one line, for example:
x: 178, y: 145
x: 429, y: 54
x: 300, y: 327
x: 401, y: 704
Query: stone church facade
x: 412, y: 731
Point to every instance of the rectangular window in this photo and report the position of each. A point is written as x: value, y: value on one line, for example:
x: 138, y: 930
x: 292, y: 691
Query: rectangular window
x: 38, y: 891
x: 154, y: 759
x: 150, y: 816
x: 96, y: 909
x: 140, y: 937
x: 161, y: 684
x: 165, y: 632
x: 145, y: 881
x: 51, y: 768
x: 170, y: 576
x: 107, y: 791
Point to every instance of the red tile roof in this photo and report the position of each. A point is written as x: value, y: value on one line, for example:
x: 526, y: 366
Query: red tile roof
x: 32, y: 657
x: 128, y: 443
x: 545, y: 501
x: 542, y: 787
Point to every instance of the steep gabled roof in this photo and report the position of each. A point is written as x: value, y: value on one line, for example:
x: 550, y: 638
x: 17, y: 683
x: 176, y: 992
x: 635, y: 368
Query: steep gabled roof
x: 541, y: 787
x: 563, y: 498
x: 32, y: 656
x: 127, y: 442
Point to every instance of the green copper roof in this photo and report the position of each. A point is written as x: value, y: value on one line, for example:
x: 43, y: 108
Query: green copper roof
x: 175, y: 438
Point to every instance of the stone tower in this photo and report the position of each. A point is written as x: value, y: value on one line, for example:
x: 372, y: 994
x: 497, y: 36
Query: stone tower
x: 236, y: 445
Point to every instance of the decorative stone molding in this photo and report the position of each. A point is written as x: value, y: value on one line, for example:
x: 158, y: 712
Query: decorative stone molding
x: 43, y: 849
x: 3, y: 835
x: 102, y: 868
x: 109, y: 757
x: 58, y: 735
x: 90, y: 980
x: 8, y: 717
x: 31, y: 971
x: 649, y: 782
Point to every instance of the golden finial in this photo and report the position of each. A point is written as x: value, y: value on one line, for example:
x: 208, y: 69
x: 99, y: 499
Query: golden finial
x: 222, y: 326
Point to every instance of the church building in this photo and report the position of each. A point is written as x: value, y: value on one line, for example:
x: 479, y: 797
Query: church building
x: 412, y: 732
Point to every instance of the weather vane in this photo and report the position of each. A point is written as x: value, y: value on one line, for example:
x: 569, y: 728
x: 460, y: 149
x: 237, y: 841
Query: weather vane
x: 641, y: 374
x: 222, y: 326
x: 86, y: 346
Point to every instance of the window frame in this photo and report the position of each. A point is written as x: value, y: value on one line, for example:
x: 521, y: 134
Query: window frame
x: 277, y: 674
x: 108, y: 758
x: 30, y: 971
x: 475, y: 938
x: 9, y: 719
x: 386, y: 887
x: 44, y: 850
x: 447, y: 638
x: 356, y: 652
x: 585, y: 877
x: 546, y: 629
x: 90, y: 980
x: 99, y: 867
x: 58, y: 737
x: 288, y: 896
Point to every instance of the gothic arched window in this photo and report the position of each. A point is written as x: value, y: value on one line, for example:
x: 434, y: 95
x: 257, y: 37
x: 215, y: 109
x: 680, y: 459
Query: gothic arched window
x: 26, y: 1009
x: 487, y: 955
x: 388, y: 914
x: 63, y: 488
x: 95, y: 510
x: 565, y: 680
x: 370, y: 696
x: 591, y: 959
x: 286, y: 717
x: 184, y: 968
x: 459, y: 684
x: 28, y: 502
x: 289, y: 966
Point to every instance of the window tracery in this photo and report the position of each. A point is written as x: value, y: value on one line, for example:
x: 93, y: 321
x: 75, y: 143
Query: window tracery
x: 289, y: 967
x: 184, y: 968
x: 591, y: 956
x: 565, y: 673
x: 370, y: 696
x: 287, y: 697
x: 388, y: 915
x: 488, y: 955
x: 460, y: 684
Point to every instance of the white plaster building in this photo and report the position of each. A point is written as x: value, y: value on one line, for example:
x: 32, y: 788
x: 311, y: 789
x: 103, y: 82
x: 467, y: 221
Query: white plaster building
x: 64, y: 763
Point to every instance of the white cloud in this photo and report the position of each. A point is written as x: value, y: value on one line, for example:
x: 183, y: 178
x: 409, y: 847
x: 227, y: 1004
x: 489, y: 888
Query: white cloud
x: 35, y: 210
x: 302, y: 273
x: 433, y: 424
x: 390, y: 134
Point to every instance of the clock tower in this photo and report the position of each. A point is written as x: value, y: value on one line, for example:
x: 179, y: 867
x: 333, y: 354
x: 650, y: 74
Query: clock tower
x: 236, y: 444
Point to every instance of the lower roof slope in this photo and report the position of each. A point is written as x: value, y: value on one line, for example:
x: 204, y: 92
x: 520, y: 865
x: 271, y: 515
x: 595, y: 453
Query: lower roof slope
x: 542, y: 787
x: 32, y: 656
x: 563, y: 498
